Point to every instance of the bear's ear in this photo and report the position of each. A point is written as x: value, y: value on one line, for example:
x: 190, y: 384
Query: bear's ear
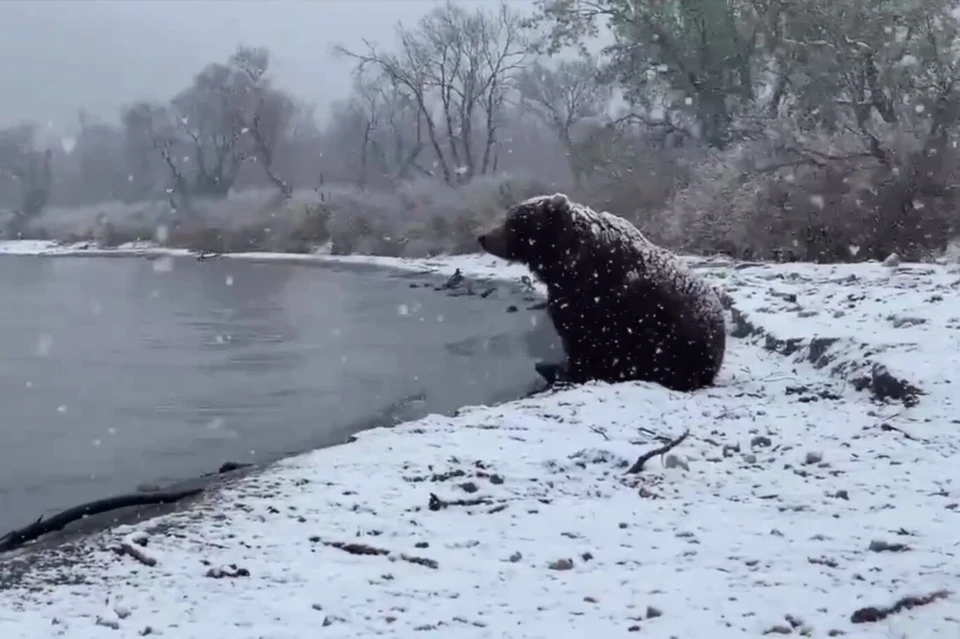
x: 560, y: 202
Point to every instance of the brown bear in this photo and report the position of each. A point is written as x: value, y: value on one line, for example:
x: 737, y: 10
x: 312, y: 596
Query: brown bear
x: 624, y: 308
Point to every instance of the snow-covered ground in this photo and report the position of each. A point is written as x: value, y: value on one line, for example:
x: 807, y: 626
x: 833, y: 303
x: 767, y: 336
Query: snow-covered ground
x: 798, y: 505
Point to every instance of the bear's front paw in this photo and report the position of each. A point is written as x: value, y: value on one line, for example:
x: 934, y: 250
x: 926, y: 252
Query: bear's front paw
x: 552, y: 372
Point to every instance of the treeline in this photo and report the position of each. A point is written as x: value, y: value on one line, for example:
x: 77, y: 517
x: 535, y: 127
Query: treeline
x: 762, y: 129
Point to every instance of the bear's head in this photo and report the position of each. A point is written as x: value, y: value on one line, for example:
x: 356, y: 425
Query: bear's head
x: 536, y: 232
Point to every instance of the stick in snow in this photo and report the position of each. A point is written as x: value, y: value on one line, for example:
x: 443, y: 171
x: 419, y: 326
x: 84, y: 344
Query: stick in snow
x: 366, y: 549
x: 439, y: 504
x: 16, y: 538
x: 139, y: 555
x: 662, y: 450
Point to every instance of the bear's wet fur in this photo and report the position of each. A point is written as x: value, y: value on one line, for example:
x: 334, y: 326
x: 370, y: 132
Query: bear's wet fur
x: 625, y: 309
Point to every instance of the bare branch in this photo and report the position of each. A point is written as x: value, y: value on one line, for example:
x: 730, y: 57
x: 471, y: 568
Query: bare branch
x: 457, y: 66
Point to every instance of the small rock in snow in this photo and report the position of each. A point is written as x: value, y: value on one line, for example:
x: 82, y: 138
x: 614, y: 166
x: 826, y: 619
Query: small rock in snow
x: 676, y: 461
x: 878, y: 545
x: 561, y: 564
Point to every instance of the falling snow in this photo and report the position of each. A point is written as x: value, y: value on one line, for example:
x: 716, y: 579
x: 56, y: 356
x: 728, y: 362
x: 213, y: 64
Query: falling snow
x: 44, y: 344
x: 795, y: 502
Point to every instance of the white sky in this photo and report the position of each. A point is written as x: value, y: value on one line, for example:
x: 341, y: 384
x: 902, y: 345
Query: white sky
x: 61, y: 55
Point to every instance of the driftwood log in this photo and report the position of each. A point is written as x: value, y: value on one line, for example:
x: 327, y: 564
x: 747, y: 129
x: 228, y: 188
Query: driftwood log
x: 16, y: 538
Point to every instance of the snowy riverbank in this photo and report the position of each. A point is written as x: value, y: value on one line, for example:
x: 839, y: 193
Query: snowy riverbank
x: 796, y: 504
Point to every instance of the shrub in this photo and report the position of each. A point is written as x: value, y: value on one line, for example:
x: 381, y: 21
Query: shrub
x: 786, y: 202
x: 418, y: 219
x: 110, y: 235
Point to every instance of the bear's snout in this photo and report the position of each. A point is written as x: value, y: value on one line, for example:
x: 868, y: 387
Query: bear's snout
x: 494, y: 243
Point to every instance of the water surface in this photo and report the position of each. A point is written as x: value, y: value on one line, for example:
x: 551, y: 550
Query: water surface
x: 118, y: 372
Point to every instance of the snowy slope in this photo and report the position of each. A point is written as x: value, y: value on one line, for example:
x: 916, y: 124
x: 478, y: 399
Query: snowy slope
x: 796, y: 502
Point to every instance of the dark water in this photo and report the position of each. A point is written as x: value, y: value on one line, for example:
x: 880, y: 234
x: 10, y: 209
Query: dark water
x: 118, y: 372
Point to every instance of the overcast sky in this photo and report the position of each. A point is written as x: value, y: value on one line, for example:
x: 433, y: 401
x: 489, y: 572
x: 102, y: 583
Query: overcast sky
x: 61, y: 55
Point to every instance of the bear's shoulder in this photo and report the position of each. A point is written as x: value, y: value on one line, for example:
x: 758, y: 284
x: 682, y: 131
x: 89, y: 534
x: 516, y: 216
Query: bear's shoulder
x: 605, y: 228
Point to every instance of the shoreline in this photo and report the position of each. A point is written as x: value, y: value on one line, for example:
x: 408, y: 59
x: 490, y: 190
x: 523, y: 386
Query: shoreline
x: 479, y: 267
x: 798, y: 505
x: 214, y: 480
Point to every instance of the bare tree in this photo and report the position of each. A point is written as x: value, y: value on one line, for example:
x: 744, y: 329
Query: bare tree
x: 27, y: 171
x: 345, y: 135
x: 151, y: 126
x: 368, y: 107
x: 267, y: 114
x: 564, y: 96
x: 16, y: 148
x: 382, y: 127
x: 210, y: 113
x: 148, y: 173
x: 95, y: 171
x: 400, y: 139
x: 230, y: 114
x: 458, y: 68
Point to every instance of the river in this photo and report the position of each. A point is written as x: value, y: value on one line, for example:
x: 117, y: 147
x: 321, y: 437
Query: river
x: 128, y: 371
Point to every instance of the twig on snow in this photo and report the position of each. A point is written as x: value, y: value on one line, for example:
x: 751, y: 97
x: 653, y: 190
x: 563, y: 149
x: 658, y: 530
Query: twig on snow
x: 873, y: 614
x: 600, y: 431
x: 365, y: 549
x: 887, y: 427
x: 439, y: 504
x: 356, y: 548
x: 421, y: 561
x: 662, y: 450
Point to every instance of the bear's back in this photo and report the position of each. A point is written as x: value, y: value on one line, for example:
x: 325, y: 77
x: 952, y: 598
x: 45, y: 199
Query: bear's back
x: 620, y: 253
x: 650, y: 309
